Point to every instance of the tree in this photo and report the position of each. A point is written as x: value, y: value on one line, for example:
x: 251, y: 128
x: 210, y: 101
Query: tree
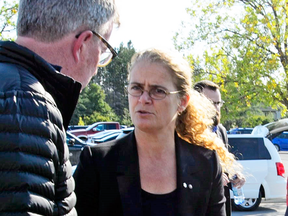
x: 8, y: 11
x: 113, y: 80
x: 247, y: 53
x: 92, y: 107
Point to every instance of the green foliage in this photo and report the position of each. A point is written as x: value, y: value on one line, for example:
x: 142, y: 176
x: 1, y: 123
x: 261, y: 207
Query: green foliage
x: 8, y: 11
x: 255, y: 120
x: 98, y: 117
x: 113, y: 80
x: 126, y: 120
x: 249, y: 118
x: 81, y: 122
x: 91, y: 105
x: 246, y: 51
x: 105, y: 98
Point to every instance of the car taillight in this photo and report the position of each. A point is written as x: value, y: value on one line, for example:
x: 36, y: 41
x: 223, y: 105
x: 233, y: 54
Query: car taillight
x: 280, y: 169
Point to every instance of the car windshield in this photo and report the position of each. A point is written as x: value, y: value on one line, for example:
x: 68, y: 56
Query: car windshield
x: 91, y: 126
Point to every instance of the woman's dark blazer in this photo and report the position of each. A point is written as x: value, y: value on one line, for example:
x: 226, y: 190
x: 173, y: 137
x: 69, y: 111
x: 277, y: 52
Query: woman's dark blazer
x: 108, y: 182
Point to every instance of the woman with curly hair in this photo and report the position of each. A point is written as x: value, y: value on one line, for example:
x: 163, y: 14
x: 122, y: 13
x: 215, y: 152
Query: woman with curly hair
x: 169, y: 164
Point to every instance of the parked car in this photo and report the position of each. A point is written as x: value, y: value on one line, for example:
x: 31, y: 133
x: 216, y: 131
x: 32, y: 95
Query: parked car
x: 95, y: 128
x: 76, y: 127
x: 262, y: 168
x: 276, y: 128
x: 75, y: 146
x: 124, y: 132
x: 240, y: 131
x: 103, y: 136
x: 281, y: 141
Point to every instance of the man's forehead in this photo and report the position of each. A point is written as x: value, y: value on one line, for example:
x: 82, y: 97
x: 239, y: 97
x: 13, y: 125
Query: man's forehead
x: 213, y: 95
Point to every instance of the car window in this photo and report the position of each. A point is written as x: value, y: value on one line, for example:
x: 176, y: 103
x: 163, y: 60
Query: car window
x: 248, y: 148
x: 283, y: 136
x: 110, y: 126
x: 99, y: 127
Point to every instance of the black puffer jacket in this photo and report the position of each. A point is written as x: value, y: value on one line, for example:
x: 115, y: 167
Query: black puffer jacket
x: 36, y: 104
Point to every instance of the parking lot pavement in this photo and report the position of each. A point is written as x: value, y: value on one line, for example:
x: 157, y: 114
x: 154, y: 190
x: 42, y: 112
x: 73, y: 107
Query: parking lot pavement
x: 273, y: 207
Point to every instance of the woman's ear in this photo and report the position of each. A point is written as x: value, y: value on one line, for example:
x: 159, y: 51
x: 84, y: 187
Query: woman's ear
x: 81, y: 44
x: 183, y: 103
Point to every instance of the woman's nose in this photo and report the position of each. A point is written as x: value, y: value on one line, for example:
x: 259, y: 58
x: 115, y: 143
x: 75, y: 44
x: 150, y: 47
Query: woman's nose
x: 145, y: 97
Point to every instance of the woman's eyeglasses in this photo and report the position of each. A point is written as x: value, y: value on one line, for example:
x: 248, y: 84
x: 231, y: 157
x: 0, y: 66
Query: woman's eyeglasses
x: 155, y: 93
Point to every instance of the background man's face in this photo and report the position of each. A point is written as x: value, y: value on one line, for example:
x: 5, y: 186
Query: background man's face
x: 215, y: 98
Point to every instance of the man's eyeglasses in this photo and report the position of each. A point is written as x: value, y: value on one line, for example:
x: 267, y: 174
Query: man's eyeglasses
x: 155, y: 93
x: 107, y: 56
x: 219, y: 103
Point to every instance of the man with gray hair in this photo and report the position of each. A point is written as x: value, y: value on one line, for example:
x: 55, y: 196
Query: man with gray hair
x: 60, y: 44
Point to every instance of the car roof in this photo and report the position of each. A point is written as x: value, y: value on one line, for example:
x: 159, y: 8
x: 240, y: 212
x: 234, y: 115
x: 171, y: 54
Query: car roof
x: 96, y: 123
x: 241, y: 128
x: 245, y: 135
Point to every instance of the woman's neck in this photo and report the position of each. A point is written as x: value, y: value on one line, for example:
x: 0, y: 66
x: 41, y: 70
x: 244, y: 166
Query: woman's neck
x: 156, y: 144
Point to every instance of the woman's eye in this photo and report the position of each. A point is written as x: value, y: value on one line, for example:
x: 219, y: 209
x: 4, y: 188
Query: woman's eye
x: 135, y: 87
x: 159, y: 91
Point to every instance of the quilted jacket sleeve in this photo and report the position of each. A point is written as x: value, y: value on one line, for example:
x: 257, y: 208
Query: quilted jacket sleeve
x: 35, y: 172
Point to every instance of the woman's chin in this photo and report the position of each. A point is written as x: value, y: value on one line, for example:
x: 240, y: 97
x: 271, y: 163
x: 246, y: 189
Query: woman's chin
x: 145, y: 127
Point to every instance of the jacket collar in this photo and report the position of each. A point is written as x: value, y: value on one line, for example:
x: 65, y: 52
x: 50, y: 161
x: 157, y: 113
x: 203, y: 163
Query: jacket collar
x: 187, y: 167
x: 128, y: 176
x: 64, y: 90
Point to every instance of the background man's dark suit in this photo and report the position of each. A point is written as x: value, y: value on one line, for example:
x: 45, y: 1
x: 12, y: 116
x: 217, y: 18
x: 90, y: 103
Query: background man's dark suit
x: 222, y: 134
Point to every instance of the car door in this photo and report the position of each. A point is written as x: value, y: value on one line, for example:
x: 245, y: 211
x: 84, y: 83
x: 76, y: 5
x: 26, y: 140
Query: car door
x: 282, y: 140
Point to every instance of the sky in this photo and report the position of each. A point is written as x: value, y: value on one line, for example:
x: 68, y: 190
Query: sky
x: 149, y: 23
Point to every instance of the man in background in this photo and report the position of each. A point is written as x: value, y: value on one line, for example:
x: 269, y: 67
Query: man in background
x: 60, y: 44
x: 212, y: 92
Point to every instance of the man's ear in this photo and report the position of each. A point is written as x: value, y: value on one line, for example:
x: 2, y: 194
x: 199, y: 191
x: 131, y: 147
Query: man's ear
x: 81, y: 44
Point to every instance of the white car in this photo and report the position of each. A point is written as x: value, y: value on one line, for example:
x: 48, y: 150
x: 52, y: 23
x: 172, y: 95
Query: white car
x: 103, y: 136
x: 124, y: 132
x: 262, y: 167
